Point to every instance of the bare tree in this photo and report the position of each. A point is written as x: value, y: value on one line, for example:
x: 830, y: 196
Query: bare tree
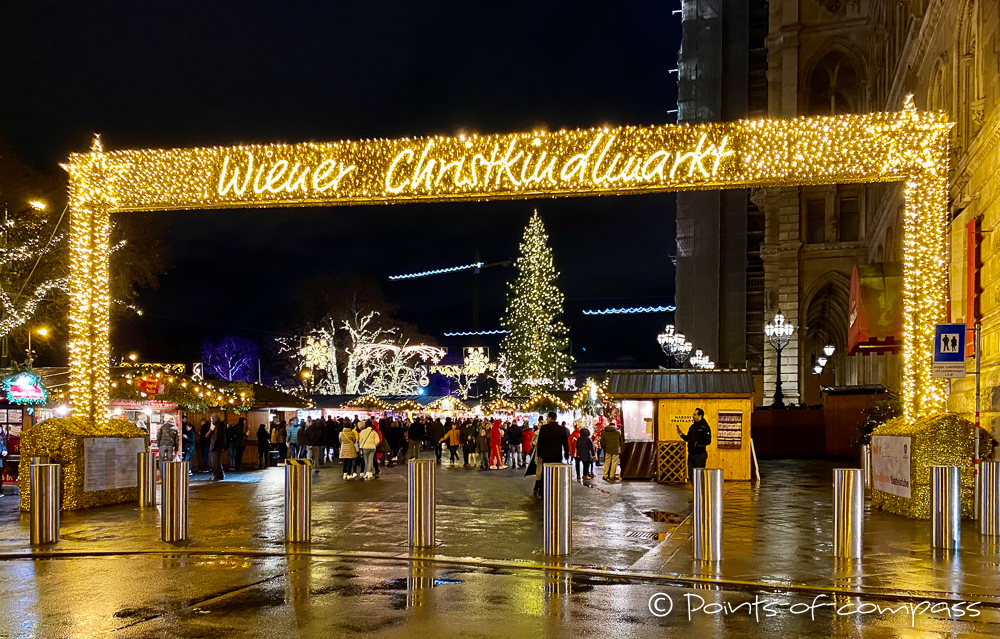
x: 232, y: 359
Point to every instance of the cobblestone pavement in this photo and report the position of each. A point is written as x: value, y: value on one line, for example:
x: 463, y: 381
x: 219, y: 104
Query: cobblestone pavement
x: 777, y: 532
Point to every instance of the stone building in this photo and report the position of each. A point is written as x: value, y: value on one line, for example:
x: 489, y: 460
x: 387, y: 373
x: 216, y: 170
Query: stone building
x: 854, y: 56
x: 719, y: 287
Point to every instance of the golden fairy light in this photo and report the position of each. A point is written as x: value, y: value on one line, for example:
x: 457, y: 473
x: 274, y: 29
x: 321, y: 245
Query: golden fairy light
x: 905, y: 146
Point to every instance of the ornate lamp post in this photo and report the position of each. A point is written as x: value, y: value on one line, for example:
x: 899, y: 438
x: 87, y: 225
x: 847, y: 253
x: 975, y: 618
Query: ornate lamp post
x: 674, y: 346
x: 701, y: 360
x: 778, y: 332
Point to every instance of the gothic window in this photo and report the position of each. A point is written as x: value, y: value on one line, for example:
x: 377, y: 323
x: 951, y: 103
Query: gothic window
x: 815, y: 221
x: 937, y: 92
x: 970, y: 107
x: 834, y: 86
x: 850, y: 220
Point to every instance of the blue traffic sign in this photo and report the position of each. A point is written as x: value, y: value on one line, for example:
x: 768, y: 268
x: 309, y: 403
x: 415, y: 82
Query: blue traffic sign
x: 949, y: 343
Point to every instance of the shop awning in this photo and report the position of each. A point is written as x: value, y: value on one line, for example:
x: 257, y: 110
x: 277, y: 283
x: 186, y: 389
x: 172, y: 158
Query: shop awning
x: 661, y: 383
x: 875, y: 309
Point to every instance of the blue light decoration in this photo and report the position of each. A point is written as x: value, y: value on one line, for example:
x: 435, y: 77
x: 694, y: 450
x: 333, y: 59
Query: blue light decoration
x: 468, y: 333
x: 632, y: 310
x: 25, y: 388
x: 453, y: 269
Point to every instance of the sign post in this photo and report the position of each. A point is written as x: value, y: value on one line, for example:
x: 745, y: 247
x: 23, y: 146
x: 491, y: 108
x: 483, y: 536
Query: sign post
x: 949, y: 351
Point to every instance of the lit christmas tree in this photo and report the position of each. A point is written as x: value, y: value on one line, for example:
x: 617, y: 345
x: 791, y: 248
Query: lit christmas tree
x: 534, y: 350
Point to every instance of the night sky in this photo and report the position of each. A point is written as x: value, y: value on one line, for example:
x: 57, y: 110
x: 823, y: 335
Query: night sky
x: 181, y: 73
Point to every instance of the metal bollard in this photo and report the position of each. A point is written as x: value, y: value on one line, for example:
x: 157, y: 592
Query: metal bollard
x: 558, y: 504
x: 174, y: 501
x: 35, y: 461
x: 866, y: 466
x: 44, y: 480
x: 420, y: 502
x: 848, y: 512
x: 298, y: 501
x: 989, y: 499
x: 707, y: 515
x: 146, y: 471
x: 946, y: 507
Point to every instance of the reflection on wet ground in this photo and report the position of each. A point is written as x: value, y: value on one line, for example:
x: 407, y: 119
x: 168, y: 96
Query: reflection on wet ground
x: 776, y: 533
x: 149, y: 596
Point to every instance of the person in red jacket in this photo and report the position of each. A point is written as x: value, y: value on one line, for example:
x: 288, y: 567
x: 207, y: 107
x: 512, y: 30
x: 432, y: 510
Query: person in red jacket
x: 496, y: 441
x: 575, y: 435
x: 527, y: 434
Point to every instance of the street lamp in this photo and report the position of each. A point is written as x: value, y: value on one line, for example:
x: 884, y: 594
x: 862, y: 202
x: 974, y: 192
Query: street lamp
x: 42, y: 332
x: 674, y: 346
x: 779, y: 333
x: 701, y: 360
x: 132, y: 357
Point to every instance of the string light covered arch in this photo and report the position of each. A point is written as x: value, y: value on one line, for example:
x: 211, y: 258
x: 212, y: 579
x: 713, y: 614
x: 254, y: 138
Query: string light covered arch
x: 905, y: 146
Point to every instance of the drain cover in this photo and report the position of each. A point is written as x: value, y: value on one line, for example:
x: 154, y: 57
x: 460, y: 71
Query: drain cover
x: 664, y: 516
x: 635, y: 534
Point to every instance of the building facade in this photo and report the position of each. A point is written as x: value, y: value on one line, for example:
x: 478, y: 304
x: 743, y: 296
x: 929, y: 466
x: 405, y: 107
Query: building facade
x: 719, y: 288
x: 854, y: 56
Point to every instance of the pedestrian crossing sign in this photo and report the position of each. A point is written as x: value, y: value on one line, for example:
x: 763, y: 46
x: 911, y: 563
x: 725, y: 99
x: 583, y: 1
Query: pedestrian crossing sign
x: 949, y: 351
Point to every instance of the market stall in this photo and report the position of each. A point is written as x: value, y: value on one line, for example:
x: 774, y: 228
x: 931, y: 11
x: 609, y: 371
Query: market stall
x: 655, y: 402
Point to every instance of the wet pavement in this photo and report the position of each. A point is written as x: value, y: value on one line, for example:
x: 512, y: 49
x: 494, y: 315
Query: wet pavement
x: 236, y: 577
x: 178, y: 596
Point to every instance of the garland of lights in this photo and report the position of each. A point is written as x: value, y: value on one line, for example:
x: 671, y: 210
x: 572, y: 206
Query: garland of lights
x: 183, y: 390
x: 470, y: 333
x: 906, y: 146
x: 633, y: 310
x: 439, y: 271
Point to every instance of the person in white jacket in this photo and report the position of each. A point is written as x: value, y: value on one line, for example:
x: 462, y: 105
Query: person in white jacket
x: 368, y: 440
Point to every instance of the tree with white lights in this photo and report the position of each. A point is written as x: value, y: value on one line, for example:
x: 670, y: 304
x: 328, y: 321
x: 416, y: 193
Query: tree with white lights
x: 534, y: 350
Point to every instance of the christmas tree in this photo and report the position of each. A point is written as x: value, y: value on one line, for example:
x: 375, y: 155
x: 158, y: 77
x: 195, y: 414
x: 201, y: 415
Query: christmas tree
x: 534, y: 350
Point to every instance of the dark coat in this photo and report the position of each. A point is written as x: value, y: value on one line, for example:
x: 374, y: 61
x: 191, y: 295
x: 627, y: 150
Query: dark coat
x: 331, y: 434
x: 611, y: 441
x: 315, y: 433
x: 698, y: 436
x: 188, y: 437
x: 514, y: 434
x: 416, y: 432
x: 435, y: 431
x: 553, y: 442
x: 585, y: 446
x: 263, y: 439
x: 219, y: 441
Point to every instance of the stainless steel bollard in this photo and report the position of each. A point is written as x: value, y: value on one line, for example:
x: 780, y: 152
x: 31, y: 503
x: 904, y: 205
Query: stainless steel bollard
x: 989, y: 498
x: 298, y: 501
x: 420, y: 502
x: 44, y: 503
x: 557, y: 526
x: 946, y: 507
x: 174, y: 501
x: 866, y: 466
x: 848, y: 512
x: 146, y: 471
x: 707, y: 515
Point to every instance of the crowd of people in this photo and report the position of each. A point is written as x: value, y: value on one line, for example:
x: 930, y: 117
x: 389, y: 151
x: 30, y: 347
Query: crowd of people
x: 363, y: 446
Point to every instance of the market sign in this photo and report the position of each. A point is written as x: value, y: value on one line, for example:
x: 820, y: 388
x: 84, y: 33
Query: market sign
x: 907, y: 146
x: 149, y: 385
x: 891, y: 464
x: 24, y: 388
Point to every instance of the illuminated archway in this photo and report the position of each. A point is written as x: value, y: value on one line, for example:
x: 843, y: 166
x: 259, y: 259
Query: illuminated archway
x: 906, y: 146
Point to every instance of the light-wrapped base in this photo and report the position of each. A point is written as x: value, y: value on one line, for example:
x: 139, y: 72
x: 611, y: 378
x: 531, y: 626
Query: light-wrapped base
x: 61, y: 438
x: 941, y: 440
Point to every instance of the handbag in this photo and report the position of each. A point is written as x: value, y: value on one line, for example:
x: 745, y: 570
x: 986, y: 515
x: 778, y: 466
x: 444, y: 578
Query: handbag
x: 532, y: 468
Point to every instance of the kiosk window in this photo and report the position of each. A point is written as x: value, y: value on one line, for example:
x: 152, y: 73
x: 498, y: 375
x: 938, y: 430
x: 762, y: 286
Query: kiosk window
x: 634, y: 416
